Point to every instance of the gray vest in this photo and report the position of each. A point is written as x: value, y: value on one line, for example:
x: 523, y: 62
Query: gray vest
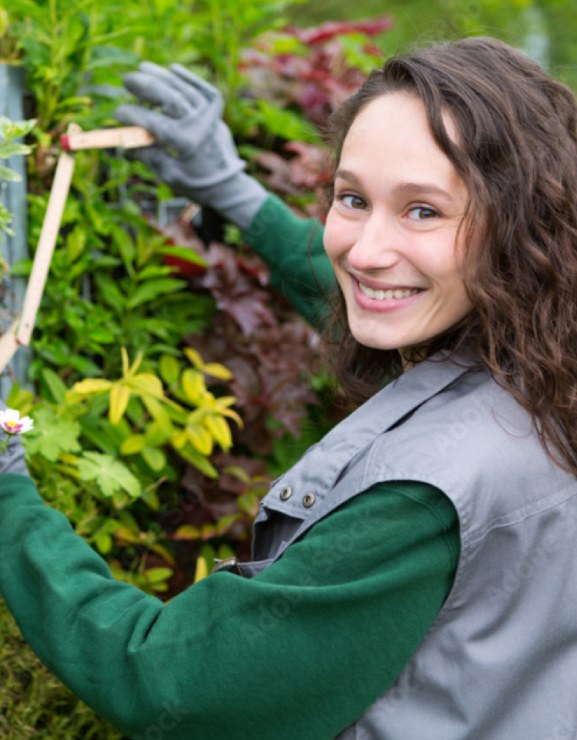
x: 500, y: 660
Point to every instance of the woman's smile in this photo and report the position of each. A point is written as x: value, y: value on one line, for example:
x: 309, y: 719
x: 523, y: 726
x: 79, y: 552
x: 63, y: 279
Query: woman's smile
x: 388, y: 298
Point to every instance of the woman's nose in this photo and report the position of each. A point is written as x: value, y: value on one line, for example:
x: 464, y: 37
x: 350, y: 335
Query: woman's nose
x: 377, y: 245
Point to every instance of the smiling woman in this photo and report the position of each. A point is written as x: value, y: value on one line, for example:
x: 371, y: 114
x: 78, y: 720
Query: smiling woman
x: 414, y: 574
x: 392, y: 233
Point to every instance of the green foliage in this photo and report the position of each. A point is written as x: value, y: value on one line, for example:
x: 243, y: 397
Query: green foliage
x: 543, y: 28
x: 170, y: 383
x: 111, y: 452
x: 10, y: 132
x: 94, y: 460
x: 225, y: 27
x: 60, y: 43
x: 76, y: 49
x: 113, y: 440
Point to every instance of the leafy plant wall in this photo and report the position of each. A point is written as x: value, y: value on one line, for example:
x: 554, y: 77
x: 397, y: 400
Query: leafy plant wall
x: 163, y: 407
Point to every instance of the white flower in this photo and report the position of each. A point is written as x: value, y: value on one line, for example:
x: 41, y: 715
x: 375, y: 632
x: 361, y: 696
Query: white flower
x: 11, y: 422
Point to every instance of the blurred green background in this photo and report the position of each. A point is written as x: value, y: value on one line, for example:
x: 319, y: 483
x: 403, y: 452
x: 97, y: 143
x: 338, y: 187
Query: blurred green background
x: 545, y: 29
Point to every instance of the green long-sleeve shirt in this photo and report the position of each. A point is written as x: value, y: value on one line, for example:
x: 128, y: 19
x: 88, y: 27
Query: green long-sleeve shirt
x: 293, y: 249
x: 299, y: 651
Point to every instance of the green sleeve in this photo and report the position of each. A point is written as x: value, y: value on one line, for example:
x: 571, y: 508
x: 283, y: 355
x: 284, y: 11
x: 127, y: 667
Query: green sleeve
x: 293, y: 248
x: 299, y: 651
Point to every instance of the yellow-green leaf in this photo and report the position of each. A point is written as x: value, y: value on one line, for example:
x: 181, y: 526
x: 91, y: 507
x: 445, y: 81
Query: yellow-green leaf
x: 216, y: 370
x: 186, y: 532
x: 193, y: 385
x: 164, y: 553
x: 131, y: 371
x: 103, y: 542
x: 205, y: 562
x: 237, y: 472
x: 199, y: 461
x: 200, y: 439
x: 125, y: 361
x: 119, y: 499
x: 194, y: 357
x: 90, y: 386
x: 146, y: 383
x: 158, y: 413
x: 119, y: 397
x: 169, y: 369
x: 196, y: 416
x: 157, y: 575
x: 201, y: 570
x: 225, y: 551
x: 225, y: 401
x: 154, y: 458
x: 155, y: 434
x: 232, y: 415
x: 179, y: 439
x: 219, y: 430
x: 126, y: 536
x: 133, y: 444
x: 150, y: 498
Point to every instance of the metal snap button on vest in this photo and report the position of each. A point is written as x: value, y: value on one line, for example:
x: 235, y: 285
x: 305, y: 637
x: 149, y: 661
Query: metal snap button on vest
x: 286, y: 493
x: 308, y: 500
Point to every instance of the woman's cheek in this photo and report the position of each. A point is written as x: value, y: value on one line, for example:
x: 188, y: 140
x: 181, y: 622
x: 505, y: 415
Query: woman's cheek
x: 337, y: 235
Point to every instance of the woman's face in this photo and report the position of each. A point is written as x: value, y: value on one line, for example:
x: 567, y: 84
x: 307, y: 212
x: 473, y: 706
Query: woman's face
x: 392, y: 230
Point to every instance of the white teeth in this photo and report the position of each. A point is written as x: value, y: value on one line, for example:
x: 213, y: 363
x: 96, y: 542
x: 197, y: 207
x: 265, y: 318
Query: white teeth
x: 387, y: 295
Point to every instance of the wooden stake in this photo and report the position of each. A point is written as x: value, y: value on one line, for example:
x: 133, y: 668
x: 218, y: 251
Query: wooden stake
x: 127, y: 137
x: 45, y: 249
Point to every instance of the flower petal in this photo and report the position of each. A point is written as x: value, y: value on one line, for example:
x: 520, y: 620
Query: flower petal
x: 27, y: 424
x: 11, y: 422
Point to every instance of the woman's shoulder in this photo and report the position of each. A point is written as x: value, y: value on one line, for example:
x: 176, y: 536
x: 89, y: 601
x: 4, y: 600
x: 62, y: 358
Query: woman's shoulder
x: 474, y: 442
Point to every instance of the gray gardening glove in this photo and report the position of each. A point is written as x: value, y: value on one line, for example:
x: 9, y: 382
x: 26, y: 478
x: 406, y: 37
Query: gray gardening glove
x: 12, y: 458
x: 196, y: 155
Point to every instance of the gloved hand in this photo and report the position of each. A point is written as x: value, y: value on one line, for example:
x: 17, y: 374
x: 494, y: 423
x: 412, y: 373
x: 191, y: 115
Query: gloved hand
x: 196, y: 155
x: 12, y: 458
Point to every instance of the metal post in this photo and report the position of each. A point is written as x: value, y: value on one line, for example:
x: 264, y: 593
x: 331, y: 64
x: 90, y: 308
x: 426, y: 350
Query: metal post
x: 13, y: 248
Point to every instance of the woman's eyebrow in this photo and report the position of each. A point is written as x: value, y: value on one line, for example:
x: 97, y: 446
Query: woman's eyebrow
x: 347, y: 175
x: 416, y: 188
x: 404, y: 188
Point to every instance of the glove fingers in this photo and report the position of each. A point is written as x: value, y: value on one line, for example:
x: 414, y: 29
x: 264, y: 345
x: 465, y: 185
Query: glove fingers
x: 177, y: 99
x: 193, y: 89
x: 164, y: 78
x: 161, y: 127
x: 200, y: 97
x: 153, y: 69
x: 157, y: 92
x: 198, y: 83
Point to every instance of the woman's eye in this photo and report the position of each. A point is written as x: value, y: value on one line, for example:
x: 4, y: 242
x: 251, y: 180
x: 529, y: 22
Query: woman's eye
x: 352, y: 201
x: 420, y: 213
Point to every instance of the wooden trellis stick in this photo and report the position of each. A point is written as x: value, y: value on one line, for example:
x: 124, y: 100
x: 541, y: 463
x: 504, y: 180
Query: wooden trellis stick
x: 20, y: 331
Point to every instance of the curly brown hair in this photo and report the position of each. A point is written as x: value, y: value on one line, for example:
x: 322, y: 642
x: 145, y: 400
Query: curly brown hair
x: 516, y: 151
